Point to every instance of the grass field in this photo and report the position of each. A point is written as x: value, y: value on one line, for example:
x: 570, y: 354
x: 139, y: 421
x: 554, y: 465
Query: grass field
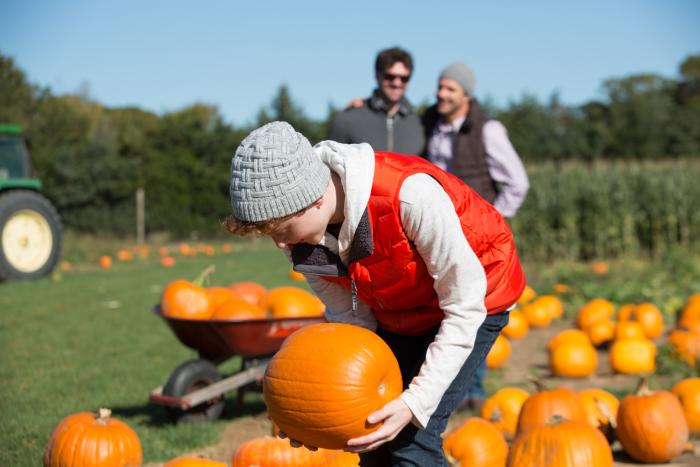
x: 86, y: 339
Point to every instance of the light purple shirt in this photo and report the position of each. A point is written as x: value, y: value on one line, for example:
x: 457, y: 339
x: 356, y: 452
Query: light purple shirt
x: 505, y: 166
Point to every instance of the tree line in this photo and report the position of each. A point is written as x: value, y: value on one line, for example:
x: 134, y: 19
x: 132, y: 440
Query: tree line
x: 92, y: 158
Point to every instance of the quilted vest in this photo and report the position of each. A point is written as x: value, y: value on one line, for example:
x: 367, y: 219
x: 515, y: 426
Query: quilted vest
x: 393, y: 279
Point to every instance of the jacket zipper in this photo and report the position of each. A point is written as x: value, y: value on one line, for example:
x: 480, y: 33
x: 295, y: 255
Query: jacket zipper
x: 390, y: 134
x: 353, y: 293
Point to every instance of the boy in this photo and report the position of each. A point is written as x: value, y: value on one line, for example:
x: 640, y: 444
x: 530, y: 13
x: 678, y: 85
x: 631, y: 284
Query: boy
x: 392, y: 243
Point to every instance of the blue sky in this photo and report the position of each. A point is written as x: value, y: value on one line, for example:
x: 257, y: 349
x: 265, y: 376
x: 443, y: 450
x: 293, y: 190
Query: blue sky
x: 164, y: 55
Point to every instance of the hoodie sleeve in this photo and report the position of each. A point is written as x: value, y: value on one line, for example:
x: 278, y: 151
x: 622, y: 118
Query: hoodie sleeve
x: 430, y: 221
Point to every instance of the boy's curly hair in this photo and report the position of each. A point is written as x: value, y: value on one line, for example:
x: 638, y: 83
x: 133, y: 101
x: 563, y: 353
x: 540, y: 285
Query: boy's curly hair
x: 236, y: 226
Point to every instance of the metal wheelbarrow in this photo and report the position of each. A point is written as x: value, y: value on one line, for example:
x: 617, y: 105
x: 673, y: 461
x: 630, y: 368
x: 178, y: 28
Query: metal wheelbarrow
x: 195, y: 389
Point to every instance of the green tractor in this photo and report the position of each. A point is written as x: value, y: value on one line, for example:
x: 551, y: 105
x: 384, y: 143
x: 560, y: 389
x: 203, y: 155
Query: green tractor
x: 30, y: 230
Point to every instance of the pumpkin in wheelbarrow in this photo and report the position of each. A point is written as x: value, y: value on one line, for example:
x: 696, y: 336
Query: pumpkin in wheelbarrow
x: 291, y: 302
x: 325, y: 381
x: 184, y: 299
x: 237, y: 309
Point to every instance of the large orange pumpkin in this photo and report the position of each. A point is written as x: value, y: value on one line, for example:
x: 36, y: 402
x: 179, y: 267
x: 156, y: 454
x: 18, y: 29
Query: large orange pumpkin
x: 633, y: 356
x: 601, y: 410
x: 89, y: 439
x: 184, y: 299
x: 288, y: 302
x: 499, y: 353
x: 688, y: 393
x: 543, y: 405
x: 517, y: 326
x: 561, y: 443
x: 238, y: 309
x: 249, y: 291
x: 651, y: 425
x: 325, y: 381
x: 503, y: 407
x: 189, y: 461
x: 105, y: 262
x: 691, y: 311
x: 476, y: 443
x: 573, y: 360
x: 270, y: 451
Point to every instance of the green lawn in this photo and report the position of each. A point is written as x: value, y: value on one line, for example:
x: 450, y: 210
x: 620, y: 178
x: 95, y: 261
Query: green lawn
x: 87, y: 338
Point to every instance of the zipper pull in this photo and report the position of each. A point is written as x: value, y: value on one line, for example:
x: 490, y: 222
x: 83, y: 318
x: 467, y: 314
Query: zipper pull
x: 353, y: 291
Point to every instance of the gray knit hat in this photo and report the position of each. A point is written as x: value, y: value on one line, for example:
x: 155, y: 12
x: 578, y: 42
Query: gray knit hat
x: 461, y: 73
x: 275, y: 173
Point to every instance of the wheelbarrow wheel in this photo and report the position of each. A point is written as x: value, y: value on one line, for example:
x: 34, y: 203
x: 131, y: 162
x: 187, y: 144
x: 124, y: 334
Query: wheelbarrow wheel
x: 189, y: 377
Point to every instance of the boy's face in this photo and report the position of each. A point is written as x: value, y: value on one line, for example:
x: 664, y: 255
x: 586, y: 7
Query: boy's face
x: 306, y: 227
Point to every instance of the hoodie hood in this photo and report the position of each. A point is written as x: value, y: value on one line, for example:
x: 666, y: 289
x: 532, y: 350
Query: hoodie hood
x: 354, y: 165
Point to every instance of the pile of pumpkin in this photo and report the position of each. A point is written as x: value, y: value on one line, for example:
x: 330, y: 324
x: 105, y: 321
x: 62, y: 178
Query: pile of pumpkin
x: 184, y: 299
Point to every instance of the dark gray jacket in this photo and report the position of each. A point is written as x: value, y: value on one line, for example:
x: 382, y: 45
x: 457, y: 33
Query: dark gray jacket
x: 402, y: 133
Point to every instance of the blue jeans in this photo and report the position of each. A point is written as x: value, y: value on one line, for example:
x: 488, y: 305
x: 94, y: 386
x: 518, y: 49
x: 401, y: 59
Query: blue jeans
x: 475, y: 388
x: 423, y: 447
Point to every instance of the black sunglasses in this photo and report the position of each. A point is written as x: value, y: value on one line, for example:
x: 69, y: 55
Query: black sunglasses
x: 391, y: 77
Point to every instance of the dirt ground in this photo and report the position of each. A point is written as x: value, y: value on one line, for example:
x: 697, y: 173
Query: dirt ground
x: 527, y: 360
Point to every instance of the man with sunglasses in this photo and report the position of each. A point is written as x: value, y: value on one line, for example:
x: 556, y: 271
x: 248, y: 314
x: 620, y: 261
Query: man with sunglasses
x: 386, y: 119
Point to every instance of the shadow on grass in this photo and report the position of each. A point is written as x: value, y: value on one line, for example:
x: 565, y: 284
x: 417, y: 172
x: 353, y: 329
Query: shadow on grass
x: 158, y: 416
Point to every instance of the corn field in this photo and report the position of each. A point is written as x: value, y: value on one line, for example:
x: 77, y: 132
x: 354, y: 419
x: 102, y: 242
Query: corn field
x: 605, y: 210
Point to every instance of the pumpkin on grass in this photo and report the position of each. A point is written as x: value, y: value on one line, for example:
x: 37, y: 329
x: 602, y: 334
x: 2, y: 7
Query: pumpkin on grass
x: 476, y: 443
x: 688, y: 393
x: 503, y: 407
x: 568, y: 335
x: 573, y: 360
x: 651, y: 319
x: 325, y: 381
x: 499, y: 353
x: 561, y: 443
x: 651, y: 425
x: 601, y: 332
x: 540, y: 407
x: 596, y: 309
x: 552, y: 304
x: 633, y: 356
x: 517, y: 326
x: 269, y: 451
x: 629, y: 330
x: 92, y: 439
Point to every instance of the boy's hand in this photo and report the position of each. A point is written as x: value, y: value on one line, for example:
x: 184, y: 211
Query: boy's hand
x: 395, y: 415
x: 294, y: 443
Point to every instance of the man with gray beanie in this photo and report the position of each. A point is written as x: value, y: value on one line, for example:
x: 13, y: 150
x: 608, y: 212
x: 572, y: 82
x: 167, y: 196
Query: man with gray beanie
x: 394, y: 244
x: 462, y: 141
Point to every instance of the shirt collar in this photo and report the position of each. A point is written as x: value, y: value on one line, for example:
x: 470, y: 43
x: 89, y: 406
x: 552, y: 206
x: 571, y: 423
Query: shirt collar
x: 376, y: 102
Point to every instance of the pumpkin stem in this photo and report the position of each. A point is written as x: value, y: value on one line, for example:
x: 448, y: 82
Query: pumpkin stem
x: 496, y: 415
x: 103, y: 416
x: 199, y: 281
x: 643, y: 387
x: 555, y: 419
x: 539, y: 385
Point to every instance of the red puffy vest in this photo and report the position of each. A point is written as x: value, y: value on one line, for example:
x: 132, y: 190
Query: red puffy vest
x: 394, y: 280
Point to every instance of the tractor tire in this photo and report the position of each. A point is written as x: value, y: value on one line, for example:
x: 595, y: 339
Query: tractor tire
x: 30, y: 235
x: 188, y: 377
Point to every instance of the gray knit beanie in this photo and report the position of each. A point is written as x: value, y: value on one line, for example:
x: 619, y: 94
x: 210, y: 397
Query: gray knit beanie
x: 274, y: 173
x: 461, y: 73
